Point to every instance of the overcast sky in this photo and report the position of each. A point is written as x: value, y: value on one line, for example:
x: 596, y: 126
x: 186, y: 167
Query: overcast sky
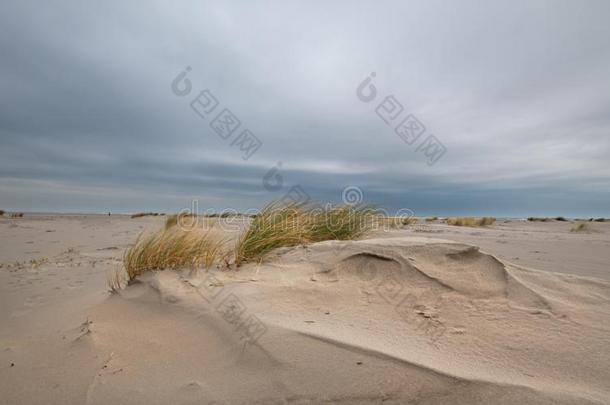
x: 518, y: 92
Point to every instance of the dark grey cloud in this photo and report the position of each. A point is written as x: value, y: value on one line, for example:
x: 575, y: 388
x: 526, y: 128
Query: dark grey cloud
x: 517, y: 91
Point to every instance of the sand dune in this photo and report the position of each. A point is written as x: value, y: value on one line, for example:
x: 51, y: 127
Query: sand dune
x: 404, y: 319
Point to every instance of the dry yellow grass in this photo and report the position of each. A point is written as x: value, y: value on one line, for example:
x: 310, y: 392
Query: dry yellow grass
x: 276, y: 226
x: 339, y: 223
x: 470, y: 221
x: 145, y: 214
x: 280, y: 225
x: 170, y: 249
x: 581, y: 227
x: 186, y: 221
x: 409, y: 221
x: 385, y: 223
x: 171, y: 220
x: 116, y: 279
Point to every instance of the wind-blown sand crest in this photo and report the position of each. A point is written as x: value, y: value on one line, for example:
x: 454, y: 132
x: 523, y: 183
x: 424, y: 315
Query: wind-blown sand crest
x: 384, y: 320
x: 405, y: 319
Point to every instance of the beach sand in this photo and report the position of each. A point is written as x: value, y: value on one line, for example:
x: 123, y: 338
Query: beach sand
x: 513, y: 313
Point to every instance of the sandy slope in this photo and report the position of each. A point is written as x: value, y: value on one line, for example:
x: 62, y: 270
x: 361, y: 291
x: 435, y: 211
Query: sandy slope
x: 395, y: 319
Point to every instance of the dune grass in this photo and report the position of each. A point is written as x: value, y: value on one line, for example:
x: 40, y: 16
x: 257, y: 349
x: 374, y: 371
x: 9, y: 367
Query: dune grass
x: 408, y: 221
x: 171, y: 220
x: 538, y: 219
x: 470, y: 221
x: 229, y: 215
x: 386, y: 222
x: 399, y: 222
x: 284, y: 225
x: 1, y: 213
x: 431, y: 219
x: 581, y: 227
x: 145, y: 214
x: 116, y: 280
x: 17, y: 215
x: 186, y: 221
x: 346, y: 222
x: 276, y: 226
x: 546, y: 219
x: 171, y: 249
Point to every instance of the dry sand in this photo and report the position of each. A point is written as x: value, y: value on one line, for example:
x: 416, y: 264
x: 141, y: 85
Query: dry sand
x: 420, y: 316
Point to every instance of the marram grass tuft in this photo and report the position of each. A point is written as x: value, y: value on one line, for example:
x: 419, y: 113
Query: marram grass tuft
x: 282, y: 225
x: 470, y: 221
x: 171, y: 249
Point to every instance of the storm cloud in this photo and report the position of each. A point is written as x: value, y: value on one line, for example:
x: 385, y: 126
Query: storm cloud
x: 517, y: 92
